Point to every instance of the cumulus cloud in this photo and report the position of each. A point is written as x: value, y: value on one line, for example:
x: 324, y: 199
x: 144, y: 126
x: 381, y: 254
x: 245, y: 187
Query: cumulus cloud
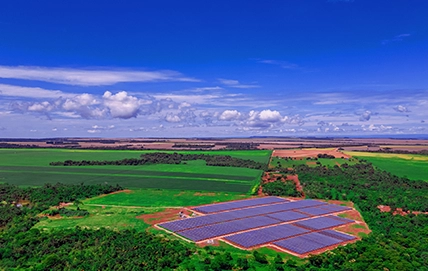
x: 121, y: 105
x: 401, y: 108
x: 229, y: 115
x: 89, y: 77
x: 236, y: 83
x: 172, y: 118
x: 365, y: 116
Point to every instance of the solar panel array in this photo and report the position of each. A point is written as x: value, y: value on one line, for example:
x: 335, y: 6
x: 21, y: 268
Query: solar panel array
x: 211, y: 231
x: 308, y: 242
x: 257, y: 222
x: 220, y: 207
x: 266, y: 235
x: 324, y: 222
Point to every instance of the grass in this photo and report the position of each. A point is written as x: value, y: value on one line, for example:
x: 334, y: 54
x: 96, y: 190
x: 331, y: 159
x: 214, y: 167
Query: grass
x: 31, y: 167
x: 414, y: 167
x: 109, y: 217
x: 312, y: 163
x: 162, y: 198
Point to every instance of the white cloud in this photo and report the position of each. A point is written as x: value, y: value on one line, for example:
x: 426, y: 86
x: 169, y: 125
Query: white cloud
x: 89, y: 77
x: 229, y: 115
x: 401, y: 108
x: 121, y: 105
x: 31, y: 92
x: 270, y: 116
x: 172, y: 118
x: 235, y: 83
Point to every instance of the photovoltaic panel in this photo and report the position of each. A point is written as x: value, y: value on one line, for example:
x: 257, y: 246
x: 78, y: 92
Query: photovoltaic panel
x: 188, y: 223
x: 287, y: 216
x: 266, y: 235
x: 307, y: 243
x: 338, y: 235
x: 324, y: 222
x: 335, y: 208
x: 315, y: 211
x: 220, y: 207
x: 211, y: 231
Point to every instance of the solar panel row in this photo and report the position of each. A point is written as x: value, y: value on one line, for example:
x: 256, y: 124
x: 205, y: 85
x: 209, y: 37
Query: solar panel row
x: 266, y: 235
x: 194, y: 222
x: 307, y: 243
x: 324, y: 222
x: 211, y: 231
x: 287, y: 216
x: 338, y: 235
x: 220, y: 207
x: 315, y: 211
x: 335, y: 208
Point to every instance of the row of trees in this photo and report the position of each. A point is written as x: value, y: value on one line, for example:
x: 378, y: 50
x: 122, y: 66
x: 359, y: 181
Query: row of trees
x: 169, y: 158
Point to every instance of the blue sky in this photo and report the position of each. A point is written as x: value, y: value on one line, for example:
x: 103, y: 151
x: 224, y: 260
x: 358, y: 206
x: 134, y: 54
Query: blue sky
x: 213, y: 68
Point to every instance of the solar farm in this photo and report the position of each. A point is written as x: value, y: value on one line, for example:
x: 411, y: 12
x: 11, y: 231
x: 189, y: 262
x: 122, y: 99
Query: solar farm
x: 299, y: 227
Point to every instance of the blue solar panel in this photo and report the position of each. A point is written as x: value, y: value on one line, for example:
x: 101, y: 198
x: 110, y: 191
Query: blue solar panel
x: 287, y: 216
x: 307, y: 242
x: 188, y: 223
x: 335, y: 208
x: 266, y: 235
x: 220, y: 207
x: 211, y: 231
x: 338, y: 235
x: 324, y: 222
x: 315, y: 211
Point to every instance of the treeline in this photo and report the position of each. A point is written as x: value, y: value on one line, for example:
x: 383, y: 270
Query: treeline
x: 84, y: 249
x: 281, y: 188
x: 16, y: 202
x: 391, y: 150
x: 169, y: 158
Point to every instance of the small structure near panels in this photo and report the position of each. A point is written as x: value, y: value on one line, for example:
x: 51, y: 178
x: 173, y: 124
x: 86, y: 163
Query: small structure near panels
x: 299, y: 227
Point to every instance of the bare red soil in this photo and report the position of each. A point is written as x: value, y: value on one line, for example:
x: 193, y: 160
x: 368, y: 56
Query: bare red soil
x: 398, y: 211
x: 308, y: 153
x: 164, y: 216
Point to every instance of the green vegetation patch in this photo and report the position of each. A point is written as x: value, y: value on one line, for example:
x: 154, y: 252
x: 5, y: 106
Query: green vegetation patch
x: 162, y: 198
x: 278, y: 162
x: 30, y: 167
x: 114, y: 218
x: 412, y: 169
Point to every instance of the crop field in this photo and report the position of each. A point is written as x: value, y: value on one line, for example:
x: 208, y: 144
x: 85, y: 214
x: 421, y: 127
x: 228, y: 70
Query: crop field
x: 31, y: 167
x: 414, y: 167
x: 161, y: 198
x: 312, y: 163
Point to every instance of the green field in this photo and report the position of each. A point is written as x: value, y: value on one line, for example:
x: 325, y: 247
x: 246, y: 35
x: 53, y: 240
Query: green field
x: 117, y: 211
x: 414, y: 167
x: 31, y: 167
x: 312, y: 163
x: 162, y: 198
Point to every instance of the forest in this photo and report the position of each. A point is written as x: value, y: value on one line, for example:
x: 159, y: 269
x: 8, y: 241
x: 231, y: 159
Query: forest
x: 169, y: 158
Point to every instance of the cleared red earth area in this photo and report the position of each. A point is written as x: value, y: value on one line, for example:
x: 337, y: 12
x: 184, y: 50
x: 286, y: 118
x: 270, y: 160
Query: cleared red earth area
x: 398, y: 211
x: 269, y: 177
x: 301, y: 153
x: 295, y: 226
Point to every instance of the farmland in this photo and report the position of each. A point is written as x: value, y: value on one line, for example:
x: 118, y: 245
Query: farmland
x: 414, y: 167
x: 31, y: 167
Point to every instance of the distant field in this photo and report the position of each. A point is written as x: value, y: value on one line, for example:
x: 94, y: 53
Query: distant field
x: 414, y: 167
x: 324, y: 162
x: 31, y: 167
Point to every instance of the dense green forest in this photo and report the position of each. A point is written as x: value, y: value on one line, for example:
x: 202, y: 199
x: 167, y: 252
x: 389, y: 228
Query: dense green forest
x: 169, y: 158
x: 396, y: 243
